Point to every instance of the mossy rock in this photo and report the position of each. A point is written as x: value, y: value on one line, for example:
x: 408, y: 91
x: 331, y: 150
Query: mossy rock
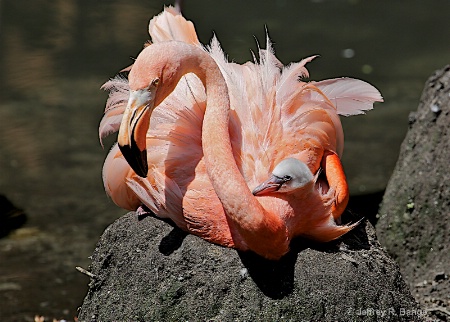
x: 146, y: 270
x: 414, y: 223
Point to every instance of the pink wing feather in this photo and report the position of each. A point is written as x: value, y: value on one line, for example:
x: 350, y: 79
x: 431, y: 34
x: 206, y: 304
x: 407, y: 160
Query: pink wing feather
x: 115, y: 106
x: 350, y: 96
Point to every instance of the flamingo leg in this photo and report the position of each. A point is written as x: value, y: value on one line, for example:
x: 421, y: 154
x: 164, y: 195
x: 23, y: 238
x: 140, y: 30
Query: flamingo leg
x: 336, y: 180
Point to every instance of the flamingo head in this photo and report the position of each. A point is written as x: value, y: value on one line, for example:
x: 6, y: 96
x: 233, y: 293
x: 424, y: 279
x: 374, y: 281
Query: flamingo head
x: 152, y: 78
x: 288, y: 176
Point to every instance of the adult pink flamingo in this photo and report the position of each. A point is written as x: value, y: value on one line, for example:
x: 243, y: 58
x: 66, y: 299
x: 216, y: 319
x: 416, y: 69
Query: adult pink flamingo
x: 199, y: 159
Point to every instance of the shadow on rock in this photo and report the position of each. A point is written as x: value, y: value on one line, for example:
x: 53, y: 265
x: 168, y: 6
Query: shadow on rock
x: 366, y: 204
x: 273, y: 278
x: 276, y: 278
x: 172, y: 241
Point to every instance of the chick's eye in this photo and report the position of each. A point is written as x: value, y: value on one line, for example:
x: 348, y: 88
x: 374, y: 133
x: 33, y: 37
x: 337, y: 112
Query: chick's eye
x: 287, y: 178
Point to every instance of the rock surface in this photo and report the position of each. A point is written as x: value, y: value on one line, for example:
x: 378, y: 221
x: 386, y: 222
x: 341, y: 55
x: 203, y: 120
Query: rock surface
x: 414, y: 222
x: 146, y: 270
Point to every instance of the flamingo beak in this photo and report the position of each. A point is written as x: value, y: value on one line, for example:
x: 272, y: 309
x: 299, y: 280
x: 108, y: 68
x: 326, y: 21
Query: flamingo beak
x: 133, y: 129
x: 272, y: 184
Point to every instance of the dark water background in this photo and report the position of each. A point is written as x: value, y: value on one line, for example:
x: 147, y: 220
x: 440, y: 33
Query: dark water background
x: 54, y: 56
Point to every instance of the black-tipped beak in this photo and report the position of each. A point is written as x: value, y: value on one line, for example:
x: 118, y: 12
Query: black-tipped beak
x: 272, y: 184
x: 136, y: 158
x: 132, y: 138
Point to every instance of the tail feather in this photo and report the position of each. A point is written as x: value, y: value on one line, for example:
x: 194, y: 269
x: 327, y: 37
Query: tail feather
x: 329, y: 231
x: 161, y: 195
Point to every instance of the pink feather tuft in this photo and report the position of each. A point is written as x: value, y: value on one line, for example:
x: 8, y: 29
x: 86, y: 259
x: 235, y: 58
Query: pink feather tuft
x: 289, y: 81
x: 118, y: 89
x: 171, y: 25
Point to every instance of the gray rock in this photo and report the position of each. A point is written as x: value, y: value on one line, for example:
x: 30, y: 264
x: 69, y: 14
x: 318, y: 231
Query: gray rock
x: 146, y: 270
x: 414, y: 222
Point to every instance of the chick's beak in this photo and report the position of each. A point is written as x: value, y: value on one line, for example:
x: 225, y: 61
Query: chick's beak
x: 272, y: 184
x: 133, y: 129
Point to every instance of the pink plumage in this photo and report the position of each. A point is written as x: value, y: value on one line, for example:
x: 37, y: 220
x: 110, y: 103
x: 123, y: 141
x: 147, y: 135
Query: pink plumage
x: 273, y: 116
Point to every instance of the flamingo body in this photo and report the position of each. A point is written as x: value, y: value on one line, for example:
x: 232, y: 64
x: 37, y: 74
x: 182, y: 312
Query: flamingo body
x: 201, y: 170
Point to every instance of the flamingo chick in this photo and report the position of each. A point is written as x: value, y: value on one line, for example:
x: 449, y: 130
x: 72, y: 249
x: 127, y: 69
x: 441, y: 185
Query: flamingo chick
x: 289, y: 175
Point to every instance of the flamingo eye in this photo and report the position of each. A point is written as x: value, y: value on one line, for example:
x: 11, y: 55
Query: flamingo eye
x: 155, y: 82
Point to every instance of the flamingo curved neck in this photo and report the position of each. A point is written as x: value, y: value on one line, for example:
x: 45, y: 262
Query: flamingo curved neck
x: 230, y: 186
x: 263, y: 232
